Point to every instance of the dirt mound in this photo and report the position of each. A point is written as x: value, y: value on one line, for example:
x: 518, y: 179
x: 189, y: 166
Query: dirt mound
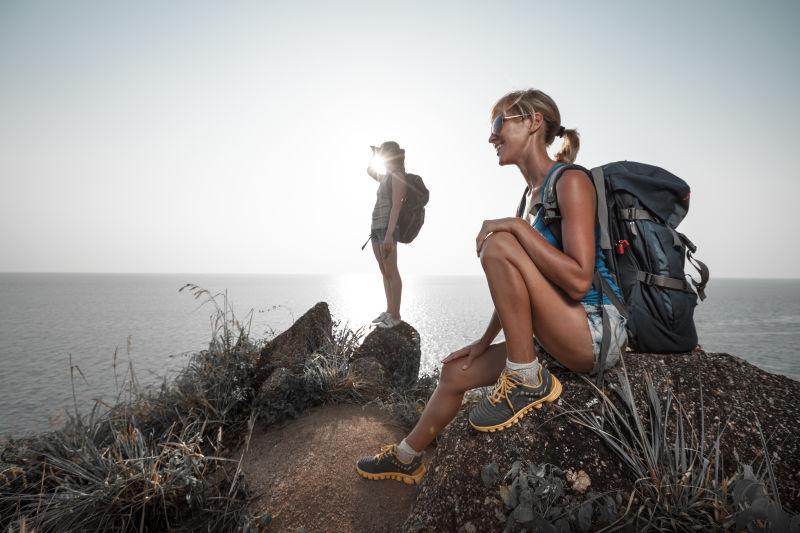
x: 304, y: 476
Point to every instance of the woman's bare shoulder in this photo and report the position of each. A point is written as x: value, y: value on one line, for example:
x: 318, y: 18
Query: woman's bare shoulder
x: 573, y: 181
x: 575, y: 192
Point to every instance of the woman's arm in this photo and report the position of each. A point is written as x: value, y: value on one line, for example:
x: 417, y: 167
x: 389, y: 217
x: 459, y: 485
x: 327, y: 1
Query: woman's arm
x: 398, y: 192
x: 572, y: 269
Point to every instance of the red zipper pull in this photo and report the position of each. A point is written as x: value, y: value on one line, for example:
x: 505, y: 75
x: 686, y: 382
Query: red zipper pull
x: 621, y: 245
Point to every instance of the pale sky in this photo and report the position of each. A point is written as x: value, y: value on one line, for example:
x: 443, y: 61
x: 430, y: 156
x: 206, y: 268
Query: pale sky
x: 233, y: 137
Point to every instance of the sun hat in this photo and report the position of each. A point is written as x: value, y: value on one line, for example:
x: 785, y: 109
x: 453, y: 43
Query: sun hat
x: 391, y: 148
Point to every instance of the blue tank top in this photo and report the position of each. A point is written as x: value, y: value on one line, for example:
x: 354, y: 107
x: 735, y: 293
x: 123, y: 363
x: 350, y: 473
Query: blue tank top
x: 538, y: 224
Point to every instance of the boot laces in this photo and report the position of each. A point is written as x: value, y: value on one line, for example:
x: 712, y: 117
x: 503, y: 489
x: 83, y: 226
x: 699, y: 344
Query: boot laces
x: 385, y: 450
x: 508, y: 381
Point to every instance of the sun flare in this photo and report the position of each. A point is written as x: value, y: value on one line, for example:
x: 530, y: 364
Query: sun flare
x: 378, y: 164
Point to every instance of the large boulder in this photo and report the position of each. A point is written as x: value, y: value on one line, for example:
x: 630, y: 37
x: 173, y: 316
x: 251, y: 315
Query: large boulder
x: 464, y: 488
x: 397, y: 349
x: 290, y: 348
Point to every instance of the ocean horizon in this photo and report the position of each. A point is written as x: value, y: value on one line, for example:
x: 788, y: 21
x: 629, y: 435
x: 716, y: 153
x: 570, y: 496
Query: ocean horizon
x: 101, y: 319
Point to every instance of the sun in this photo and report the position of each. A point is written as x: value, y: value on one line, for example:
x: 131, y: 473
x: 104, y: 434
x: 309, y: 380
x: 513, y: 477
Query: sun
x: 378, y: 164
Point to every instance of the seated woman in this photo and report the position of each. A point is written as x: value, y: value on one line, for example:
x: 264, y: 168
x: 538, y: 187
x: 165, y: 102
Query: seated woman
x: 542, y: 293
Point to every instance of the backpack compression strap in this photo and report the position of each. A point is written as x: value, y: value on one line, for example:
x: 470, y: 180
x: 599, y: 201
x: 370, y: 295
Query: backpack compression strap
x: 701, y: 267
x: 631, y: 214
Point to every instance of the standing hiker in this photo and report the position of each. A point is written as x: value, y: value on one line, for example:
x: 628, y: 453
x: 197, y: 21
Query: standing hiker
x: 388, y: 169
x: 541, y: 287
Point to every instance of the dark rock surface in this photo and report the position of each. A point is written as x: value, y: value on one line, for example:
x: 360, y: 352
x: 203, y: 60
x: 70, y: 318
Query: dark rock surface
x: 397, y: 349
x: 369, y: 369
x: 735, y: 394
x: 283, y: 395
x: 290, y: 348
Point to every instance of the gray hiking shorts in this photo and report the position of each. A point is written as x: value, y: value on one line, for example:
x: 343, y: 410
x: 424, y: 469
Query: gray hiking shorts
x: 377, y: 235
x: 619, y: 338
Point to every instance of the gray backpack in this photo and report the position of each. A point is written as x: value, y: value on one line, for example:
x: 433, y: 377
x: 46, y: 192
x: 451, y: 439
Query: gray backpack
x: 639, y: 207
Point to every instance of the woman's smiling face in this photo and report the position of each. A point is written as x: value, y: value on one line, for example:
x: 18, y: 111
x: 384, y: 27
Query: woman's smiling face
x: 510, y: 135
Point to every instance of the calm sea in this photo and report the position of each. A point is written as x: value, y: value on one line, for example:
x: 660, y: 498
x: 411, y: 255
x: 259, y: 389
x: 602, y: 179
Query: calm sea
x: 46, y: 318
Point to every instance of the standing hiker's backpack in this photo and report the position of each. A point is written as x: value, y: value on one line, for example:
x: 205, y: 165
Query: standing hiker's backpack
x: 638, y: 208
x: 412, y: 211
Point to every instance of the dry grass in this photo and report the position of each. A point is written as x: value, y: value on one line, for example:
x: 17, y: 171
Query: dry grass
x: 159, y: 459
x: 154, y: 461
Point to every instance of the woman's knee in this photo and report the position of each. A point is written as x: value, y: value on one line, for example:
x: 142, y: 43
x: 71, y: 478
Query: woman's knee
x: 451, y: 379
x: 498, y: 245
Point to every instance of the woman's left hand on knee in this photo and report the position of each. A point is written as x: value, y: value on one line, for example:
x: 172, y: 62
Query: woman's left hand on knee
x: 467, y: 354
x: 494, y: 226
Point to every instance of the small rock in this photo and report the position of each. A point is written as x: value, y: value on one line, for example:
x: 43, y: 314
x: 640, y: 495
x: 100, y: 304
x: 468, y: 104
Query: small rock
x: 580, y: 480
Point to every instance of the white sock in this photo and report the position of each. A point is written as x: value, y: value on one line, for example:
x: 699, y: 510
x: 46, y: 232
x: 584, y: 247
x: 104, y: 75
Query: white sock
x: 529, y: 371
x: 405, y: 452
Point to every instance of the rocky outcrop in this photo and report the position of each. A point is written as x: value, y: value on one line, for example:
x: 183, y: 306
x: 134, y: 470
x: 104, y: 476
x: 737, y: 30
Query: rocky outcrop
x: 397, y: 349
x: 464, y: 489
x: 388, y: 358
x: 290, y: 348
x: 550, y: 473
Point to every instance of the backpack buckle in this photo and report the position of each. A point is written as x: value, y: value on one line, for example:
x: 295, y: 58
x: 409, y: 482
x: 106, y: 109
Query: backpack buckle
x: 647, y: 278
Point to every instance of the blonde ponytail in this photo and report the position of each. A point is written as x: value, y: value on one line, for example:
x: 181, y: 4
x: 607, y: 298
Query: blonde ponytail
x: 569, y: 146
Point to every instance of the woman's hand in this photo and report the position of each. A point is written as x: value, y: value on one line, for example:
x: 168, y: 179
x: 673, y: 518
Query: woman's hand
x: 492, y: 226
x: 470, y: 352
x: 387, y: 247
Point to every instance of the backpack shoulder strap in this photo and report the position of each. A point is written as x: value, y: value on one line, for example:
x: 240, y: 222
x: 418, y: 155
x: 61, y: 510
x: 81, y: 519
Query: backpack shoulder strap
x: 550, y: 203
x: 549, y: 196
x: 602, y: 207
x: 552, y: 213
x: 522, y: 202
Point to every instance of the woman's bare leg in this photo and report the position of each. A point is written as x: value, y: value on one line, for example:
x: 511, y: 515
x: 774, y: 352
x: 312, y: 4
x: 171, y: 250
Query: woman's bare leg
x: 376, y: 249
x: 523, y: 297
x: 392, y: 274
x: 446, y: 400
